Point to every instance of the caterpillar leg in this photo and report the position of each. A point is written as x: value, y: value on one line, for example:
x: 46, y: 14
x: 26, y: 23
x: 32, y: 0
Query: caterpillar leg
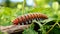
x: 28, y: 18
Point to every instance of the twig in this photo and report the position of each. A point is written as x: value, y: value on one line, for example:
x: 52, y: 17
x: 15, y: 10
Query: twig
x: 14, y: 28
x: 51, y: 27
x: 58, y: 25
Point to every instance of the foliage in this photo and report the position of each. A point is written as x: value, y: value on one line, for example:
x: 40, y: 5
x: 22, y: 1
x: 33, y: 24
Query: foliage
x: 30, y: 30
x: 49, y: 26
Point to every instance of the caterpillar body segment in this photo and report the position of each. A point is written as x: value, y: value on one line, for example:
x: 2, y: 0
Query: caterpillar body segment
x: 27, y: 19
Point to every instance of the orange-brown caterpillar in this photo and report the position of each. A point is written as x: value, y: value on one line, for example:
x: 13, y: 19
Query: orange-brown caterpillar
x: 26, y: 19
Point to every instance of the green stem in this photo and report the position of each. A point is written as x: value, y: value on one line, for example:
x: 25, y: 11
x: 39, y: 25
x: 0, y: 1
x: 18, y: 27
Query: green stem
x: 58, y: 25
x: 35, y: 4
x: 41, y: 27
x: 52, y: 27
x: 23, y: 7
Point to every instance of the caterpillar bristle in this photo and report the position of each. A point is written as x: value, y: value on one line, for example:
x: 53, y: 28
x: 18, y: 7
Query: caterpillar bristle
x: 27, y: 18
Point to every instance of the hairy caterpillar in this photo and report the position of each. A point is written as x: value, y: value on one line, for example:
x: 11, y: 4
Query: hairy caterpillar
x: 27, y: 19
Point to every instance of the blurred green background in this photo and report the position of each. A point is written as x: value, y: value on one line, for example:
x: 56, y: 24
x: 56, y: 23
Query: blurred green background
x: 10, y: 9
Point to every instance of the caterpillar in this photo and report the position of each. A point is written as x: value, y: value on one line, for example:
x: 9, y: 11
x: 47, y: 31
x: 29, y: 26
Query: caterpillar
x: 27, y: 18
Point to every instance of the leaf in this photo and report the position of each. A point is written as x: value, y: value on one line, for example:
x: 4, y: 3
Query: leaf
x: 41, y: 27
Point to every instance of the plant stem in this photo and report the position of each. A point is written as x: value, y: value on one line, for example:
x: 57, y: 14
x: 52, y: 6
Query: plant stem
x: 52, y: 27
x: 58, y: 25
x: 35, y: 4
x: 23, y: 7
x: 41, y: 27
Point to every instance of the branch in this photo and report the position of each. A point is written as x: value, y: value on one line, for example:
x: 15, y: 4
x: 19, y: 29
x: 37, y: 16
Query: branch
x: 13, y: 28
